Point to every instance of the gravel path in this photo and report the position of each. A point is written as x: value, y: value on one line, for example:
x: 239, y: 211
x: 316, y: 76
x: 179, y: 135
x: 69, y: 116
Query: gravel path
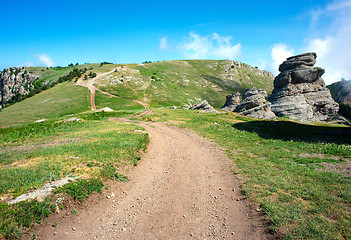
x: 183, y: 188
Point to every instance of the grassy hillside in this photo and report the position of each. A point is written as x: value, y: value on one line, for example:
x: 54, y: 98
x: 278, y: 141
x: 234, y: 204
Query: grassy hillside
x: 52, y: 74
x: 184, y: 82
x: 63, y: 99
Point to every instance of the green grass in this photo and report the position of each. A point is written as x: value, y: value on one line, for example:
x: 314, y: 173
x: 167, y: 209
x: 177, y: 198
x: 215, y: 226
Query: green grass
x: 23, y: 215
x: 78, y: 148
x: 102, y: 100
x: 81, y: 189
x: 36, y: 153
x: 275, y: 160
x: 49, y: 75
x: 63, y: 99
x: 184, y: 82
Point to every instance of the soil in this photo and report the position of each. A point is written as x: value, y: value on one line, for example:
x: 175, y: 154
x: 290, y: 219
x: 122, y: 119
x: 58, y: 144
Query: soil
x: 183, y: 188
x: 343, y: 168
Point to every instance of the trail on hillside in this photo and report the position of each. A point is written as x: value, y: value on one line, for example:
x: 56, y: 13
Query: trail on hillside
x: 89, y: 83
x: 182, y: 189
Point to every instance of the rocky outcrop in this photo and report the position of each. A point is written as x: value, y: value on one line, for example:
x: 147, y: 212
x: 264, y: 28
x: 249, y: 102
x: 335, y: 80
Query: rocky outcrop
x: 204, y: 105
x: 232, y: 101
x: 254, y: 104
x: 300, y: 92
x: 341, y: 91
x: 15, y: 82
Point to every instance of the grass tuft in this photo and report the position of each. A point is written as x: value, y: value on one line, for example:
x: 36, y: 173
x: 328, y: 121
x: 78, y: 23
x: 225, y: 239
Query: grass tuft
x: 81, y: 189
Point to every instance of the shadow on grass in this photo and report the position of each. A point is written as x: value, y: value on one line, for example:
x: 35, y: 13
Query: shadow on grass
x: 291, y: 131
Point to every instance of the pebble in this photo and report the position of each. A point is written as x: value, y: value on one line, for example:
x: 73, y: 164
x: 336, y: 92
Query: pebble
x: 73, y: 228
x: 55, y: 233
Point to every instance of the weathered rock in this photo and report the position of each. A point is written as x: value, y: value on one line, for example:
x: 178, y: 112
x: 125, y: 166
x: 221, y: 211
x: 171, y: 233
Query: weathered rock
x: 15, y: 82
x: 294, y: 62
x: 254, y: 104
x: 338, y: 119
x: 105, y: 109
x: 204, y: 105
x: 300, y: 92
x: 232, y: 101
x: 263, y: 112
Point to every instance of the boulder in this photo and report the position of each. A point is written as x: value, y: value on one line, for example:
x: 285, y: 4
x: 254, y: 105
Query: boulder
x: 300, y: 92
x: 204, y: 105
x: 254, y: 104
x: 305, y: 59
x: 232, y: 101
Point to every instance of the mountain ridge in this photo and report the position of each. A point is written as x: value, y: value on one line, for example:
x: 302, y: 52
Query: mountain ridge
x: 210, y: 76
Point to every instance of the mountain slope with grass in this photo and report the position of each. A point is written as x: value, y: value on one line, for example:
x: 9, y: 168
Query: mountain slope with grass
x: 19, y: 83
x: 185, y: 82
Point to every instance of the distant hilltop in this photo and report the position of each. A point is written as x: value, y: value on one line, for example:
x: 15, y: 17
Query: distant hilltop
x: 175, y: 82
x: 341, y: 91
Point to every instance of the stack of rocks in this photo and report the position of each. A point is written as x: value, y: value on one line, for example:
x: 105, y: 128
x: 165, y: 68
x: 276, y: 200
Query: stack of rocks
x: 232, y: 101
x: 300, y: 92
x: 254, y: 104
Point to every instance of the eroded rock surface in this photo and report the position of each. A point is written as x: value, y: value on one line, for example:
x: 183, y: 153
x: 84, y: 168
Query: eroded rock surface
x: 300, y: 92
x: 254, y: 104
x: 204, y: 105
x: 14, y: 83
x: 232, y: 101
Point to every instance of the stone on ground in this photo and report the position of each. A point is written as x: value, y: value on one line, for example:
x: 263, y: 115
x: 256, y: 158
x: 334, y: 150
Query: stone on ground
x: 204, y: 105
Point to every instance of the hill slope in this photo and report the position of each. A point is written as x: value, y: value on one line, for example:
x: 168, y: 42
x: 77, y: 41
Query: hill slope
x: 17, y: 84
x: 341, y: 91
x: 183, y: 82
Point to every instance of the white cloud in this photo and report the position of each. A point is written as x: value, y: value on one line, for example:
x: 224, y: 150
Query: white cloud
x: 27, y: 64
x: 45, y: 59
x: 211, y: 46
x: 333, y: 47
x: 163, y: 44
x: 331, y: 41
x: 279, y: 53
x: 195, y: 46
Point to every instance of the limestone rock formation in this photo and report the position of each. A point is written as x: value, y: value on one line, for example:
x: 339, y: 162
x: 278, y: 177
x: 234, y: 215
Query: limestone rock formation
x: 232, y: 102
x: 300, y: 92
x: 14, y: 82
x: 204, y: 105
x: 254, y: 104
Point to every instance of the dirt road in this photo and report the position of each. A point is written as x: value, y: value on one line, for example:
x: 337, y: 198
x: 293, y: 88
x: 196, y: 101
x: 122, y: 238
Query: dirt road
x: 89, y: 83
x: 182, y: 189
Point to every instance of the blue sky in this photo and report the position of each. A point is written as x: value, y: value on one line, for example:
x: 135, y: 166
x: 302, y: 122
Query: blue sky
x: 260, y: 33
